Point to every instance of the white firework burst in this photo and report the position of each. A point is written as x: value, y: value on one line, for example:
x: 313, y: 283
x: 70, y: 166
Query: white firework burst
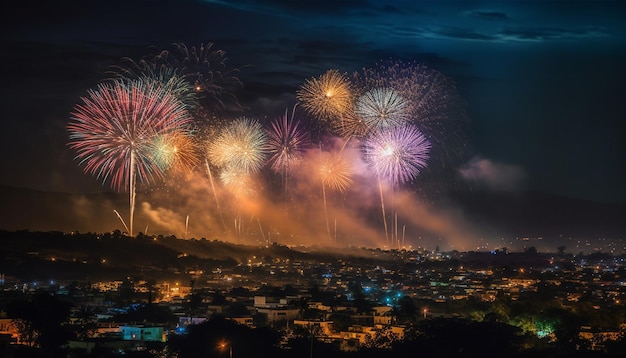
x: 382, y: 107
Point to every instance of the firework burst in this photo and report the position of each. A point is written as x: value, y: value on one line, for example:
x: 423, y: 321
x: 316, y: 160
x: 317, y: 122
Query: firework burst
x: 241, y: 146
x: 351, y: 125
x: 175, y: 151
x: 287, y: 141
x: 430, y: 92
x: 382, y: 107
x: 170, y: 78
x: 436, y: 109
x: 328, y: 97
x: 207, y: 70
x: 334, y: 171
x: 113, y: 130
x: 397, y: 154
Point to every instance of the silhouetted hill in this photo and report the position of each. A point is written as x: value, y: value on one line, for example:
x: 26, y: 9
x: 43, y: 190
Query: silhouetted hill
x: 36, y: 255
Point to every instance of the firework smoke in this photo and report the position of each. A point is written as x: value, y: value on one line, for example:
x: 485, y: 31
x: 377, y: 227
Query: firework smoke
x: 157, y: 118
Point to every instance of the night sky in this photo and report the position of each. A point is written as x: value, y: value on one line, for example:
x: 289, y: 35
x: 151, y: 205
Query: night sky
x: 544, y: 81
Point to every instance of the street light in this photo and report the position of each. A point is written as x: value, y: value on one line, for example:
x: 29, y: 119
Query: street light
x: 223, y: 345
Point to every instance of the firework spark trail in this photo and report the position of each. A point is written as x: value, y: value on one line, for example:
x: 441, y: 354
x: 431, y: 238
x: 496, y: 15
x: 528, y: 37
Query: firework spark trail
x: 261, y: 228
x: 113, y: 128
x: 397, y: 155
x: 287, y: 141
x: 326, y: 211
x: 382, y: 207
x: 217, y: 202
x: 242, y: 186
x: 334, y: 173
x: 186, y: 226
x: 122, y: 220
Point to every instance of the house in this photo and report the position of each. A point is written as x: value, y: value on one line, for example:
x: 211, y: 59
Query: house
x: 141, y: 333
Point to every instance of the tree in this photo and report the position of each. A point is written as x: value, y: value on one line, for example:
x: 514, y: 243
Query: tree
x: 341, y: 321
x: 531, y: 250
x: 86, y: 325
x: 40, y: 319
x: 193, y: 303
x: 406, y: 310
x: 470, y: 339
x: 238, y: 309
x: 126, y: 291
x: 206, y: 338
x: 358, y: 295
x: 382, y: 338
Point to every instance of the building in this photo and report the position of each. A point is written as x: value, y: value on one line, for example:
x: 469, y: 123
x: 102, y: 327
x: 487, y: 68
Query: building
x: 141, y: 333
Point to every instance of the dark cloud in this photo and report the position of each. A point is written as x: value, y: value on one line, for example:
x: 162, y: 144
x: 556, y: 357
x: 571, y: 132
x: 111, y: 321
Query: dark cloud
x: 546, y: 34
x: 461, y: 33
x: 323, y: 7
x: 488, y: 15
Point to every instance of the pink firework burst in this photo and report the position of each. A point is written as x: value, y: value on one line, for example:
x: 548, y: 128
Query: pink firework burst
x: 113, y: 130
x: 287, y: 141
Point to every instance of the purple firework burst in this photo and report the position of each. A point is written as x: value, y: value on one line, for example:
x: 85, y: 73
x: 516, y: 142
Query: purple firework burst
x: 397, y: 154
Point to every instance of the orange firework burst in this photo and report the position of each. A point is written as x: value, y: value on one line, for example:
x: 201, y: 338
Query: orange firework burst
x: 334, y: 171
x: 328, y: 97
x: 176, y: 151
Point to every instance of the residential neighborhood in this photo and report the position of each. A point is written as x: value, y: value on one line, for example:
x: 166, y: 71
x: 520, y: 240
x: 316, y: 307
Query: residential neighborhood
x: 351, y: 303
